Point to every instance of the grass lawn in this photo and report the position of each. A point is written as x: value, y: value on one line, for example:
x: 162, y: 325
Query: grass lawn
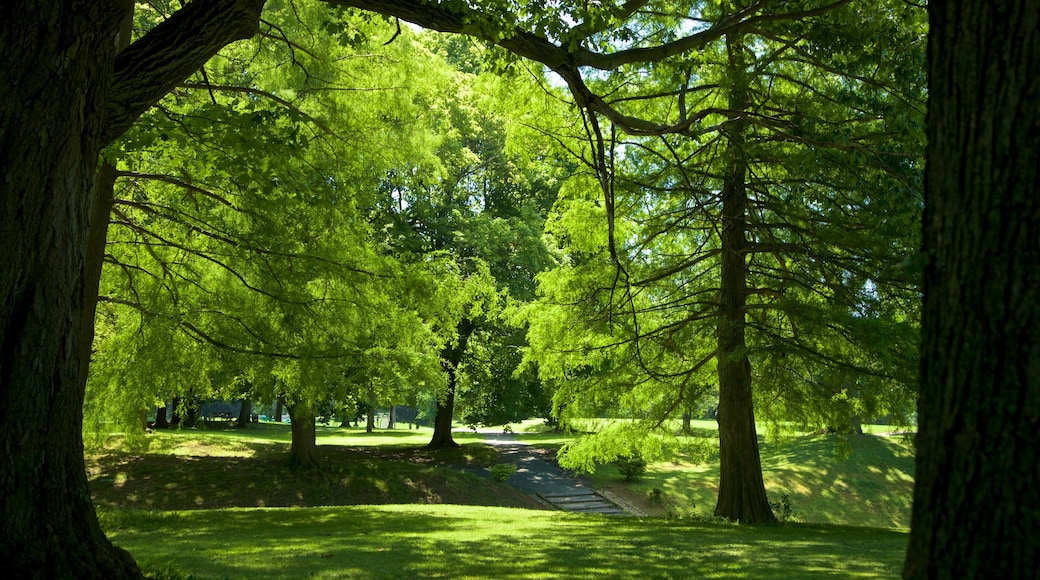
x: 188, y: 470
x: 437, y: 541
x: 866, y: 480
x: 222, y: 504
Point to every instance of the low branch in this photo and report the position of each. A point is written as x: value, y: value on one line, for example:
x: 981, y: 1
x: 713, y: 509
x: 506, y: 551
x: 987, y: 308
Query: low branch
x: 171, y: 52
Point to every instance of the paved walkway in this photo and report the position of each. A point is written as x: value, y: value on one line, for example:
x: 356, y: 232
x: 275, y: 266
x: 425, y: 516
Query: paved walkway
x: 538, y: 474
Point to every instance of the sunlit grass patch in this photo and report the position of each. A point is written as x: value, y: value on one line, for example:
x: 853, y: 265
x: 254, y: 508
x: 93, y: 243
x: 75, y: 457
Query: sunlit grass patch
x: 478, y: 542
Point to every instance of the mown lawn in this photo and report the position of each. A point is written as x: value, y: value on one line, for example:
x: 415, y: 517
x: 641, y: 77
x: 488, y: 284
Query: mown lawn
x: 189, y: 470
x: 223, y: 504
x: 442, y: 541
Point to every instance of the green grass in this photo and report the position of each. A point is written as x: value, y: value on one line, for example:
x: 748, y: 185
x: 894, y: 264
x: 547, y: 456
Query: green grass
x: 481, y: 542
x: 864, y: 480
x: 201, y: 504
x: 184, y: 470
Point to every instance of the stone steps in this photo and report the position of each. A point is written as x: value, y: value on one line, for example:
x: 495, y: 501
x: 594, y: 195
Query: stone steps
x: 588, y: 502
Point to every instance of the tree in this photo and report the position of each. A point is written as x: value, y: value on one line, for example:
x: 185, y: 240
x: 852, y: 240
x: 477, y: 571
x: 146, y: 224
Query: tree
x: 49, y: 157
x: 239, y: 235
x: 476, y: 204
x: 743, y: 240
x: 976, y: 511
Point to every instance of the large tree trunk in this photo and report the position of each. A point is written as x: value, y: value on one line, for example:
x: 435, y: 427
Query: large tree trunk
x: 742, y: 493
x: 303, y: 454
x: 57, y: 65
x: 976, y: 507
x: 60, y: 108
x: 451, y: 356
x: 97, y: 236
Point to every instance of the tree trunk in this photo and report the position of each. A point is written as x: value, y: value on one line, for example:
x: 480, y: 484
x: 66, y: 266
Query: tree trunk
x: 69, y: 95
x: 391, y: 419
x: 442, y: 437
x: 976, y: 507
x: 370, y: 412
x: 57, y: 67
x: 97, y: 236
x: 278, y: 410
x: 160, y: 418
x: 742, y: 493
x: 245, y: 413
x: 687, y: 427
x: 451, y: 356
x: 303, y: 454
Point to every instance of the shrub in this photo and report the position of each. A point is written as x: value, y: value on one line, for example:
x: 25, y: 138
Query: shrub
x: 502, y: 471
x: 653, y: 497
x: 632, y: 467
x: 782, y: 508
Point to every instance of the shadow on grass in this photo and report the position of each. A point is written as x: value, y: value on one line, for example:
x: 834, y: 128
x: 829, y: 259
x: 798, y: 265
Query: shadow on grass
x: 261, y: 478
x: 416, y: 541
x: 872, y: 486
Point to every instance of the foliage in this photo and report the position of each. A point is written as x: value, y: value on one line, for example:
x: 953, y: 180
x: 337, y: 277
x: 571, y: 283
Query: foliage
x: 631, y: 467
x: 627, y: 323
x: 782, y: 507
x: 480, y: 203
x: 502, y: 471
x: 240, y: 251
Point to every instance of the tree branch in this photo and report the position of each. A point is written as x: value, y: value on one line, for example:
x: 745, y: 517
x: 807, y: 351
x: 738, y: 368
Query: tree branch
x: 169, y: 53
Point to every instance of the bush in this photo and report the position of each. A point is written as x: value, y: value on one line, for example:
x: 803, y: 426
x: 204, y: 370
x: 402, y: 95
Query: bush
x: 632, y: 467
x: 782, y: 508
x: 502, y: 471
x: 653, y: 497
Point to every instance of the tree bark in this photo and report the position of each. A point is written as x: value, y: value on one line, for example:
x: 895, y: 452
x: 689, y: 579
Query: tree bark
x: 451, y: 356
x: 60, y: 67
x: 100, y: 205
x: 742, y: 493
x: 976, y: 508
x: 57, y: 66
x: 245, y: 414
x: 171, y: 52
x: 278, y: 410
x: 160, y: 418
x: 303, y: 454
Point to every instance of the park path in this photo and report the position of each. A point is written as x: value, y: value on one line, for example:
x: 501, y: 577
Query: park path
x: 538, y: 474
